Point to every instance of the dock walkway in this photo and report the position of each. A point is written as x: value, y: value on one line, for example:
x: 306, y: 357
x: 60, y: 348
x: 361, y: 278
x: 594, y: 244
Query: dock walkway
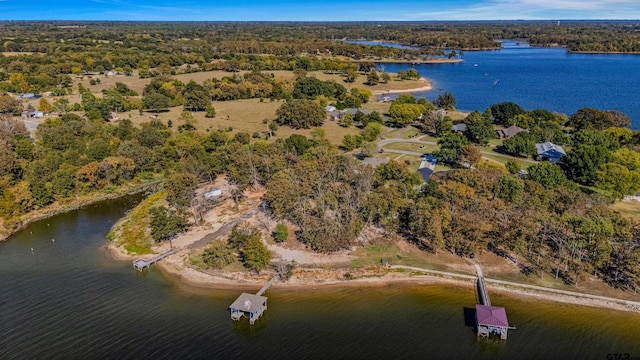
x: 267, y: 285
x: 141, y: 264
x: 483, y: 294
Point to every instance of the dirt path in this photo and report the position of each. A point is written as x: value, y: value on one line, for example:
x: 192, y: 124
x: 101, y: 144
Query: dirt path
x: 224, y: 230
x: 626, y: 304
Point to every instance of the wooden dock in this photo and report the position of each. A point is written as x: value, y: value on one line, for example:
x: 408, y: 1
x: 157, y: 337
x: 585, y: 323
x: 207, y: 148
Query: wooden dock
x: 251, y: 305
x: 267, y: 285
x: 141, y: 264
x: 489, y: 319
x: 483, y: 295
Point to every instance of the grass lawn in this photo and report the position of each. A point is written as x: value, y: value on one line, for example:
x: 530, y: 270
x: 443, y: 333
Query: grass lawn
x: 503, y: 160
x: 628, y: 209
x: 408, y: 256
x: 411, y: 133
x: 419, y: 148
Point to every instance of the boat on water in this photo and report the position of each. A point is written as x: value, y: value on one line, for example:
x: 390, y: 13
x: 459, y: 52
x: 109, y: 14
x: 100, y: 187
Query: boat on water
x: 495, y: 83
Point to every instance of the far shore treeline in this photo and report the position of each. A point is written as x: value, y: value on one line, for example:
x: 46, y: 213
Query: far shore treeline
x: 549, y: 218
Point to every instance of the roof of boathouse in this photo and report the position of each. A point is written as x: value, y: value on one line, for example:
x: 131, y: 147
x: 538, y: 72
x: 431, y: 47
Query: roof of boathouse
x: 248, y: 302
x: 491, y: 316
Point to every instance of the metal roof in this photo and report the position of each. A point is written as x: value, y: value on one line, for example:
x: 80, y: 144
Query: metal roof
x: 248, y: 302
x: 491, y: 316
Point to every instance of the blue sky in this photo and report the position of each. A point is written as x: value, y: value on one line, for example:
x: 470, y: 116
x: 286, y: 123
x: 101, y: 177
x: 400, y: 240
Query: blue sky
x: 324, y: 10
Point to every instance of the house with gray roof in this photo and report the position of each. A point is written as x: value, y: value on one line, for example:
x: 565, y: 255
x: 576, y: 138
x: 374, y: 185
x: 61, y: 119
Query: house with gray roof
x: 550, y: 152
x: 462, y: 127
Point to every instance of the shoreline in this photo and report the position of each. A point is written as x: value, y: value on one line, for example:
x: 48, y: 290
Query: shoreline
x: 314, y: 278
x: 426, y: 87
x: 74, y: 205
x: 418, y: 62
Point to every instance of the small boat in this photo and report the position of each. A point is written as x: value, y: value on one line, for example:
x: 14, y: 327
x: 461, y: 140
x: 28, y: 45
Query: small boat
x: 475, y: 65
x: 495, y: 83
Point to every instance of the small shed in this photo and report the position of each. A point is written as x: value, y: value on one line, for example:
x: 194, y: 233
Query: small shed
x: 460, y: 128
x: 248, y: 304
x: 492, y: 320
x: 213, y: 194
x: 30, y: 113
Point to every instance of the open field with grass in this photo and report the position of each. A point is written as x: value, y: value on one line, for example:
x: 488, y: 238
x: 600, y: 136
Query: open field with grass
x: 245, y: 115
x: 628, y: 209
x: 503, y: 160
x: 419, y: 148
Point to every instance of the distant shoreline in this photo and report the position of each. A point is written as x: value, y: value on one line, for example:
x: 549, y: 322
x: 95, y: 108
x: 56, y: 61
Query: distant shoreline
x: 418, y: 62
x: 427, y: 86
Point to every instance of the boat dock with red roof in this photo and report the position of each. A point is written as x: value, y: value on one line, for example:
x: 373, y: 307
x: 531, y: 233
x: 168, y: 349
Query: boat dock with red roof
x: 489, y: 319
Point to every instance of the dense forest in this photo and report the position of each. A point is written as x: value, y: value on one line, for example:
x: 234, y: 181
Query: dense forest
x: 550, y: 218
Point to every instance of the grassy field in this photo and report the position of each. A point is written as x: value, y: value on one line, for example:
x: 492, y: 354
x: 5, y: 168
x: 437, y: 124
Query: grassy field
x: 425, y: 149
x: 503, y: 160
x: 628, y: 209
x: 245, y: 115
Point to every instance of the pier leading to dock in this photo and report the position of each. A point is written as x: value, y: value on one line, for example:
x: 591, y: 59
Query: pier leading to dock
x: 489, y: 319
x: 141, y: 264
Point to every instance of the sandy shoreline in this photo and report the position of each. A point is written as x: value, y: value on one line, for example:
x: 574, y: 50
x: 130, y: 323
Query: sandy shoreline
x: 321, y: 270
x: 313, y: 278
x: 427, y: 86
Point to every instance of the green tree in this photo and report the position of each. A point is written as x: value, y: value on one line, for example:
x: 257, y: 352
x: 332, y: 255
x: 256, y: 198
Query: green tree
x: 588, y: 118
x: 548, y: 175
x: 505, y: 111
x: 479, y: 129
x: 350, y: 142
x: 584, y: 160
x: 196, y: 97
x: 44, y: 106
x: 617, y: 179
x: 255, y: 254
x: 445, y: 101
x: 405, y: 114
x: 156, y: 102
x: 372, y: 131
x: 166, y: 223
x: 373, y: 78
x: 281, y: 233
x: 300, y: 114
x: 443, y: 125
x: 451, y: 146
x: 210, y: 111
x: 181, y: 189
x: 509, y: 189
x: 521, y: 144
x: 217, y: 255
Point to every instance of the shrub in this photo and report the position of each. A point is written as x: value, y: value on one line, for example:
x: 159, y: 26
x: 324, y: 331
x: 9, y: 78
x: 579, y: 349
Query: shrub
x: 281, y: 233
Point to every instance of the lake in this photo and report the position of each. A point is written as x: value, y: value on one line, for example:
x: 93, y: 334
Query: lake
x: 535, y: 77
x: 67, y: 299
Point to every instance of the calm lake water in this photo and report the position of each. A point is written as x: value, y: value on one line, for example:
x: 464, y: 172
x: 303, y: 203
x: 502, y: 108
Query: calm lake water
x: 69, y: 300
x: 536, y: 78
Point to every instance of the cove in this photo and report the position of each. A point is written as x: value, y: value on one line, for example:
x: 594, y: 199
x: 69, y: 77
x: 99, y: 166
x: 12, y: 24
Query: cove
x: 69, y: 299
